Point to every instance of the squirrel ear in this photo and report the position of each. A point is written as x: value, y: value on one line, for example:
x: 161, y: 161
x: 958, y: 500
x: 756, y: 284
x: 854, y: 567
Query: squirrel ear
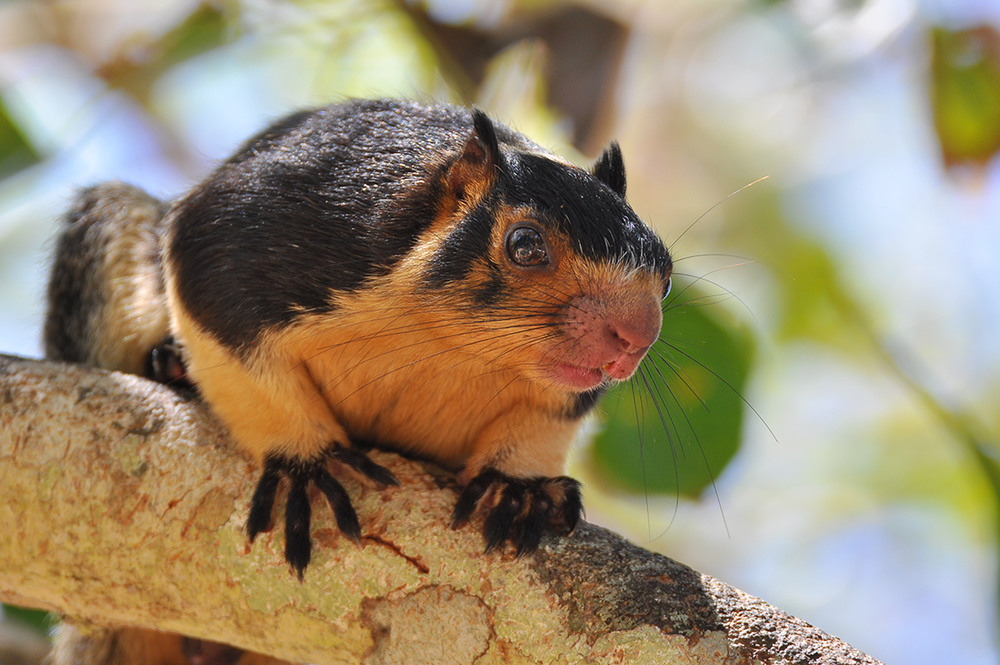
x: 475, y: 166
x: 610, y: 169
x: 484, y: 136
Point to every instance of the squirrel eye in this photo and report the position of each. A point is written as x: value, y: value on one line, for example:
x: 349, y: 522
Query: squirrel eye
x: 525, y: 247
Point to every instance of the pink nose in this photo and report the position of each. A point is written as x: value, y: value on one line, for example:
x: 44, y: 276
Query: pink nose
x: 636, y: 333
x: 630, y: 336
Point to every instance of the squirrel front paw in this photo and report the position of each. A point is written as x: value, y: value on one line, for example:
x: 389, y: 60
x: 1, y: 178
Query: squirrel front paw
x: 298, y: 512
x: 520, y: 509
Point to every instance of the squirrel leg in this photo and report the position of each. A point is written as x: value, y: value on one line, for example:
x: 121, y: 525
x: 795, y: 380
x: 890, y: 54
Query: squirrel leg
x: 519, y: 487
x: 274, y: 409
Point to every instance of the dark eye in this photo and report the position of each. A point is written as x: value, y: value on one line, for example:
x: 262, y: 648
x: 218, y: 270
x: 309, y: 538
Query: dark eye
x: 525, y: 247
x: 666, y: 289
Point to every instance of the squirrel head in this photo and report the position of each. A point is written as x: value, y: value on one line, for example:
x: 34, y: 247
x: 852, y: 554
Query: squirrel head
x: 554, y: 254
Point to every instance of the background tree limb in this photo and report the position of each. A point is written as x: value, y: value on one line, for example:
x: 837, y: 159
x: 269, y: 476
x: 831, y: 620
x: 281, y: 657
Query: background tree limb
x: 123, y: 503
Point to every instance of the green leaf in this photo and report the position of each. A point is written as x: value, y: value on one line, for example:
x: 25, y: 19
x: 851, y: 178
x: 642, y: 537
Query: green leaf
x: 965, y: 93
x: 16, y: 152
x: 673, y: 428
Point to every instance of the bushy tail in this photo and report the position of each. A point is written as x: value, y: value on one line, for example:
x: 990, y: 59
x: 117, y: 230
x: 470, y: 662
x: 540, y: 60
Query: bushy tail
x: 106, y: 301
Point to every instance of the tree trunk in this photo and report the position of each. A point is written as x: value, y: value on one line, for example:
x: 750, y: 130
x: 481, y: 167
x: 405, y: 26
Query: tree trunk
x: 124, y: 504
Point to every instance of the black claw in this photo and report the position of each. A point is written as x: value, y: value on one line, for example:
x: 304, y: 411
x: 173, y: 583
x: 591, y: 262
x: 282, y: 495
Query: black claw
x: 165, y: 365
x: 298, y: 516
x: 529, y: 534
x: 340, y: 503
x: 360, y: 462
x: 470, y: 496
x: 263, y: 497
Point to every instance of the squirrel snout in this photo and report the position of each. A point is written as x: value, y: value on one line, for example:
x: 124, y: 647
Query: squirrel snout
x: 613, y: 336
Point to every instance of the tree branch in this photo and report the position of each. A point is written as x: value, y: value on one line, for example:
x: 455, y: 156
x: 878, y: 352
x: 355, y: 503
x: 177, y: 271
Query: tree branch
x: 124, y: 504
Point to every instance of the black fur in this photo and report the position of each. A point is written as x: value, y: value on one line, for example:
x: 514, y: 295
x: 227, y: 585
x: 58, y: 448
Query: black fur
x: 500, y: 519
x: 486, y: 132
x: 583, y: 403
x: 262, y: 502
x: 471, y: 495
x: 340, y: 503
x: 526, y: 533
x: 490, y: 292
x: 361, y: 463
x: 601, y: 224
x: 467, y: 243
x: 298, y: 517
x: 271, y: 137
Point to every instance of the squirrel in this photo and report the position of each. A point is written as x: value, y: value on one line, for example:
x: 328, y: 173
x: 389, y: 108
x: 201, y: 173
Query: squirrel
x: 376, y: 272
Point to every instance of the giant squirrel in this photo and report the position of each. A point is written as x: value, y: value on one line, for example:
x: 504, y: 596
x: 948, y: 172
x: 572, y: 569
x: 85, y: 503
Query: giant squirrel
x: 382, y: 273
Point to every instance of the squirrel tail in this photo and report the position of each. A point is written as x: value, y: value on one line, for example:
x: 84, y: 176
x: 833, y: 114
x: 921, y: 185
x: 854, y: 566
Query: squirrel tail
x: 106, y: 300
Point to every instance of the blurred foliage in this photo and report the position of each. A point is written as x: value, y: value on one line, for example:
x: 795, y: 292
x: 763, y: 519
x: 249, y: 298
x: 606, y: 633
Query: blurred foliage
x: 38, y: 620
x: 965, y: 93
x: 137, y: 67
x: 16, y: 152
x: 811, y: 282
x: 575, y: 39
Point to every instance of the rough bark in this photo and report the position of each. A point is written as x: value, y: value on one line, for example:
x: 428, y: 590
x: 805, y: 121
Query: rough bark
x: 124, y: 503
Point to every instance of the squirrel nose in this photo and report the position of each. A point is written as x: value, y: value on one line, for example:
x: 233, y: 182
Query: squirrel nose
x: 637, y: 332
x: 632, y: 336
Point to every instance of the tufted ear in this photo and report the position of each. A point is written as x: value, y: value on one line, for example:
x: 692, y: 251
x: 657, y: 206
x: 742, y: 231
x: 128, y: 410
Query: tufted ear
x: 472, y: 172
x: 610, y: 169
